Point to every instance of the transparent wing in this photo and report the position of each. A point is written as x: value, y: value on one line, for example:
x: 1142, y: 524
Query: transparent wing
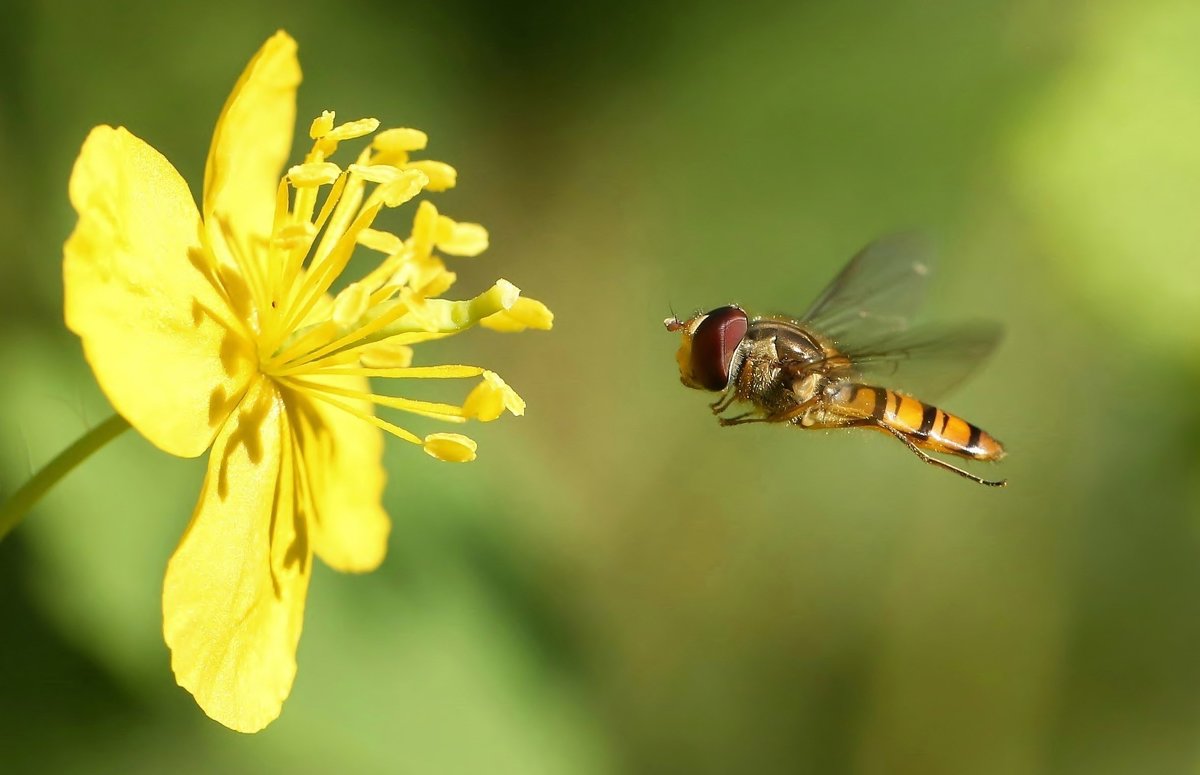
x: 876, y: 294
x: 925, y: 362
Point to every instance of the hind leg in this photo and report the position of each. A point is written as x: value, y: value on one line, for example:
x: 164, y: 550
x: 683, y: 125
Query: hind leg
x: 935, y: 461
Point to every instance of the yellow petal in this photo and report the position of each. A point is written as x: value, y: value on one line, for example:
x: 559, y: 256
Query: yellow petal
x: 156, y: 332
x: 233, y: 599
x: 253, y: 139
x: 525, y: 313
x: 343, y: 459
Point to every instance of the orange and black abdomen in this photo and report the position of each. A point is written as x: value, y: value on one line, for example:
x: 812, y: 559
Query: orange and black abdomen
x: 924, y: 424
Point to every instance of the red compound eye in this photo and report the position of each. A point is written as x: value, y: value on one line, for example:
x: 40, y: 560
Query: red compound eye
x: 713, y: 345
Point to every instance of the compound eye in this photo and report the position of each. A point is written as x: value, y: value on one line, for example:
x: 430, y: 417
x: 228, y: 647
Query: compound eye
x: 713, y: 345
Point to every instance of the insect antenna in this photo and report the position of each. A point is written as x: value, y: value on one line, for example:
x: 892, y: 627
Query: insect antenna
x: 672, y: 323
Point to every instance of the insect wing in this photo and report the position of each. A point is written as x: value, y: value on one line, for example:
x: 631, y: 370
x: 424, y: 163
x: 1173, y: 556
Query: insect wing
x: 876, y: 294
x: 925, y: 362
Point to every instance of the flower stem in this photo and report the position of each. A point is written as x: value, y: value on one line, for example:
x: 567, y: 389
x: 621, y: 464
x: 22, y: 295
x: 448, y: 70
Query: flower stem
x: 14, y: 509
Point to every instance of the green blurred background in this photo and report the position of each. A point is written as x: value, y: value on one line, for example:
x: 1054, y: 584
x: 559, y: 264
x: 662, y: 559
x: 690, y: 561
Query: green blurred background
x: 617, y: 584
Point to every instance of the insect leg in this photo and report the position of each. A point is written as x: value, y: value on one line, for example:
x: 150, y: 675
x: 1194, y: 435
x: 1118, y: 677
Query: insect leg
x: 722, y: 403
x: 740, y: 419
x: 779, y: 417
x: 940, y: 463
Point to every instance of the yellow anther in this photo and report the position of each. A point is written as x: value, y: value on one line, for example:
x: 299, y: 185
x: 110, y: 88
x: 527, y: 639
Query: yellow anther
x: 450, y: 447
x: 399, y: 191
x: 491, y: 397
x: 383, y: 241
x: 464, y: 239
x: 443, y: 229
x: 400, y: 140
x: 350, y: 304
x: 525, y: 313
x: 385, y: 355
x: 421, y: 239
x: 352, y: 129
x: 321, y: 125
x: 434, y: 283
x: 441, y: 175
x: 313, y: 174
x: 377, y: 173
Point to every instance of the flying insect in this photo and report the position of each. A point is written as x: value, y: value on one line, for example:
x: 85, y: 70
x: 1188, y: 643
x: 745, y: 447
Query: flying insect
x: 853, y: 360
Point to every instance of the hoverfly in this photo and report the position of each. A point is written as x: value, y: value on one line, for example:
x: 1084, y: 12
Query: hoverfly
x: 829, y: 367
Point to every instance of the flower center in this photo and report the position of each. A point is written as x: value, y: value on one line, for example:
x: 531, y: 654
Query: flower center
x: 323, y: 345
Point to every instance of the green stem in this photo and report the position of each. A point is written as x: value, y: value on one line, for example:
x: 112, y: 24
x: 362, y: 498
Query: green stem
x: 31, y: 492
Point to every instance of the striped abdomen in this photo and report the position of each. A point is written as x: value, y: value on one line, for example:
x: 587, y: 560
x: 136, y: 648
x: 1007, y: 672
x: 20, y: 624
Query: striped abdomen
x: 924, y: 424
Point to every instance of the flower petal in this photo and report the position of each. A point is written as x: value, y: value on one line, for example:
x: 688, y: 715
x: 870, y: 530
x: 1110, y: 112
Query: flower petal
x: 137, y: 289
x: 233, y: 600
x: 253, y: 139
x: 342, y: 457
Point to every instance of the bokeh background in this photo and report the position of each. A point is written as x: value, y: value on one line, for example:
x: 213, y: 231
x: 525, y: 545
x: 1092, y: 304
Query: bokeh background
x: 618, y: 585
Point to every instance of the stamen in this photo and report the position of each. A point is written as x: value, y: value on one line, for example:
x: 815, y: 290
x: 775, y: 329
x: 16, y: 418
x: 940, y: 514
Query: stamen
x: 245, y: 262
x: 352, y: 130
x: 328, y: 144
x: 386, y: 355
x: 409, y: 372
x: 525, y: 313
x: 321, y: 125
x: 450, y: 447
x: 400, y: 140
x: 441, y: 175
x: 382, y: 241
x: 313, y: 174
x: 429, y: 409
x: 296, y: 257
x: 423, y: 229
x: 367, y: 417
x: 322, y: 275
x: 389, y: 277
x: 275, y: 263
x: 306, y: 342
x: 343, y: 214
x: 349, y: 354
x: 396, y: 192
x: 460, y: 239
x: 491, y: 397
x: 411, y: 315
x: 390, y: 316
x: 378, y: 173
x: 349, y: 305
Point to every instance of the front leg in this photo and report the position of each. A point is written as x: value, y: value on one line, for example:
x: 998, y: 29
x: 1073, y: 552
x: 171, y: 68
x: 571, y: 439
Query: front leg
x: 722, y: 403
x: 739, y: 388
x: 740, y: 419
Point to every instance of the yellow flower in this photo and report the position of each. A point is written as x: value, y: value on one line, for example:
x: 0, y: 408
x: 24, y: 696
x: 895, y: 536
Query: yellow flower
x: 215, y: 329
